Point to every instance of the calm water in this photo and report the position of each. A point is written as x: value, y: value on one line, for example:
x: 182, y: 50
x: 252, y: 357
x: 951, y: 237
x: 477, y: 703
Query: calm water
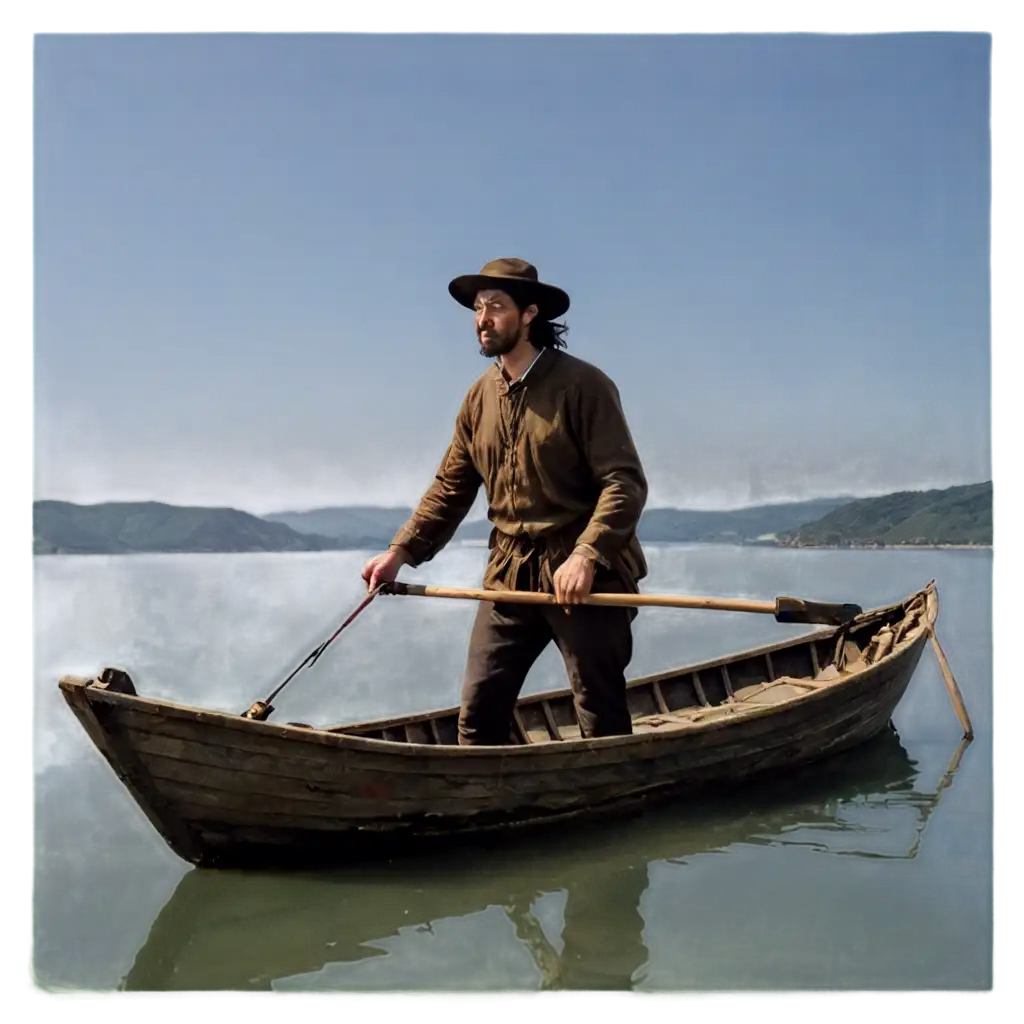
x: 873, y: 870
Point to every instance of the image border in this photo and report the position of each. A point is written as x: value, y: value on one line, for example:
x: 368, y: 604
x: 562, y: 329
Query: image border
x: 18, y: 27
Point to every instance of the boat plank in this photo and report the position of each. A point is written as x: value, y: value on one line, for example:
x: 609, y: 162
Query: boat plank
x: 272, y: 748
x: 591, y: 780
x: 239, y: 774
x: 197, y: 809
x: 120, y: 755
x: 323, y: 792
x: 201, y: 790
x: 225, y: 809
x: 240, y: 808
x: 275, y: 754
x: 179, y: 760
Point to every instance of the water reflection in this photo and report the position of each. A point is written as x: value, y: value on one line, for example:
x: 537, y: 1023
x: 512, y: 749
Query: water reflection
x: 237, y: 930
x: 601, y: 937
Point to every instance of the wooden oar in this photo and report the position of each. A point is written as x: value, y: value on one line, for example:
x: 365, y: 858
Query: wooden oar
x: 785, y: 609
x: 951, y: 688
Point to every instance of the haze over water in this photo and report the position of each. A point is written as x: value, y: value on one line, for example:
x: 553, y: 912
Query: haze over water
x: 868, y: 871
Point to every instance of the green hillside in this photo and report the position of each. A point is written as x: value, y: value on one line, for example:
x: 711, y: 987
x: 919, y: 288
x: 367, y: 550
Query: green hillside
x: 61, y: 527
x: 956, y: 515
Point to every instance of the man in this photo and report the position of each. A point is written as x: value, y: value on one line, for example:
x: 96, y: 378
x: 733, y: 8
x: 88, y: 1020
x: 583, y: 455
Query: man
x: 545, y: 435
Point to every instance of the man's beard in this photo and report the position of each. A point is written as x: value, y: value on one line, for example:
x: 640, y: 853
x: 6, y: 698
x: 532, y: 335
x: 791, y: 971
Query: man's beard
x: 498, y: 344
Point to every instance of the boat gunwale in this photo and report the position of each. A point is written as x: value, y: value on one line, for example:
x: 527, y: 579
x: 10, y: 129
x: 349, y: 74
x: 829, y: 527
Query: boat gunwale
x: 355, y: 743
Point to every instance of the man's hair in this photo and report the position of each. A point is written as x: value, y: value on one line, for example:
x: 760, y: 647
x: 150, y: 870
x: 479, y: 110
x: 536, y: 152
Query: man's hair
x: 547, y: 334
x: 542, y: 333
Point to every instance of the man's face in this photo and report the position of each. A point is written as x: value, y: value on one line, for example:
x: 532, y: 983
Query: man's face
x: 499, y: 323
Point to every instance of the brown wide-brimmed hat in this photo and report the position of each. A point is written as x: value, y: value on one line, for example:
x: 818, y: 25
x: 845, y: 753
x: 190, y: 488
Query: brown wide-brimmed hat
x: 519, y: 279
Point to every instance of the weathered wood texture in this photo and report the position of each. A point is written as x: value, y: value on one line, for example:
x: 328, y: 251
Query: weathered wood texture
x: 221, y: 788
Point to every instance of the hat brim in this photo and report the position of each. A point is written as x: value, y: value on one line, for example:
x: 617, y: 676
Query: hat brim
x: 551, y: 302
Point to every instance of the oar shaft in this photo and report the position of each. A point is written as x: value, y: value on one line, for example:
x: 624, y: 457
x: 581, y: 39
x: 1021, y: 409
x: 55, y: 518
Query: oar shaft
x: 614, y: 600
x: 951, y: 688
x: 785, y: 609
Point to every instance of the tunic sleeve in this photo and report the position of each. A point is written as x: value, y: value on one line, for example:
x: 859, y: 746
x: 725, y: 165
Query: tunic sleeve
x: 615, y: 464
x: 447, y: 501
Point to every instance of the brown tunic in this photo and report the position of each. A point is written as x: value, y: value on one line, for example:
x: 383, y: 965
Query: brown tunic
x: 559, y: 469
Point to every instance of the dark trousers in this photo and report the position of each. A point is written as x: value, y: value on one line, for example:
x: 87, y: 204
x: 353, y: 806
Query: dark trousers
x: 596, y: 644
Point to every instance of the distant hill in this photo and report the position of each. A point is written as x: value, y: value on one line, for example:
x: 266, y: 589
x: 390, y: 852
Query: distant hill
x: 365, y: 526
x: 350, y: 526
x: 61, y: 527
x: 732, y: 526
x: 369, y: 526
x: 955, y: 515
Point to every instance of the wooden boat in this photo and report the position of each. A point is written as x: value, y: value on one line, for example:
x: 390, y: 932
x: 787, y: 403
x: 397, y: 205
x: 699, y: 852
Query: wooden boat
x: 226, y: 790
x: 242, y: 930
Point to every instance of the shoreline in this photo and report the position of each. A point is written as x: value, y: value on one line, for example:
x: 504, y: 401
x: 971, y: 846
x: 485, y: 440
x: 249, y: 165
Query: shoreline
x: 882, y: 547
x: 473, y: 543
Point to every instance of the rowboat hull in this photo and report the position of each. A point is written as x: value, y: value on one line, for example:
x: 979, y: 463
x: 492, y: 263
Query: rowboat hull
x: 242, y: 929
x: 225, y: 790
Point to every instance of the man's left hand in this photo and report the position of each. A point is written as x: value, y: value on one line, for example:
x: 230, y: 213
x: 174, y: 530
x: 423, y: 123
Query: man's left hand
x: 573, y: 579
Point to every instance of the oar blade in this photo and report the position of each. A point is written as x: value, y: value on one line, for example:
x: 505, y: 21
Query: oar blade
x: 793, y: 609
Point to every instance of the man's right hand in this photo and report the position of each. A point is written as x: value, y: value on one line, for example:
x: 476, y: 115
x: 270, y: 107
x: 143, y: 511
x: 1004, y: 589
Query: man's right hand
x: 383, y: 568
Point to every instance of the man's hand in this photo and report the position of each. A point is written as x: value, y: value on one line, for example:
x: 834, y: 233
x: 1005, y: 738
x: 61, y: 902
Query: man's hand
x: 573, y: 579
x: 383, y: 568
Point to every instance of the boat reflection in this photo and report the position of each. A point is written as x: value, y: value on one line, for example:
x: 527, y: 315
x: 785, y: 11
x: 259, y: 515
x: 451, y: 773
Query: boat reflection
x: 245, y: 930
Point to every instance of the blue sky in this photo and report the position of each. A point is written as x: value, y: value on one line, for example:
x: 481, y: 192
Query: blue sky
x: 778, y: 246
